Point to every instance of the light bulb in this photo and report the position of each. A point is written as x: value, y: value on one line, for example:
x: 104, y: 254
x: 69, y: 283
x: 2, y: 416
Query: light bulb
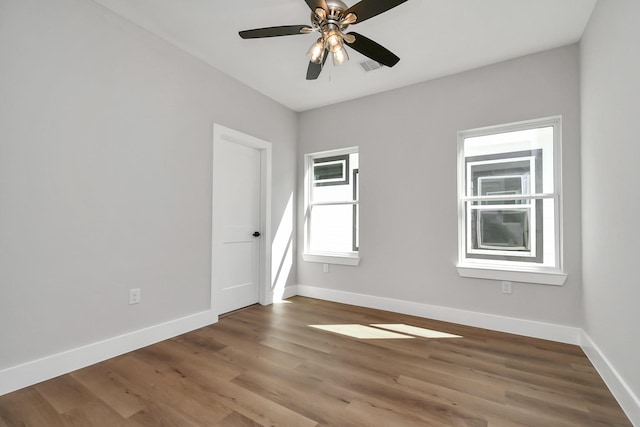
x: 316, y: 52
x: 340, y: 56
x: 334, y: 40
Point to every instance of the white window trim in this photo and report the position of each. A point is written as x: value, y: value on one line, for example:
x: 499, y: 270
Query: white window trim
x: 341, y: 258
x: 554, y: 277
x: 510, y: 270
x: 332, y: 258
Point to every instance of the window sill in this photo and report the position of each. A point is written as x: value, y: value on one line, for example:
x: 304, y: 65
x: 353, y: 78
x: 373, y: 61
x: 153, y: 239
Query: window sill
x: 346, y: 259
x: 554, y: 278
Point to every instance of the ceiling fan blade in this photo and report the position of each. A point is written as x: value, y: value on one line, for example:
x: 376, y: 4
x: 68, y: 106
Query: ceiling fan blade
x: 314, y: 4
x: 314, y: 70
x: 284, y: 30
x: 369, y: 8
x: 373, y: 50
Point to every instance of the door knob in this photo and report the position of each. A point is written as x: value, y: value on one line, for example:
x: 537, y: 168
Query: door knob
x: 256, y: 234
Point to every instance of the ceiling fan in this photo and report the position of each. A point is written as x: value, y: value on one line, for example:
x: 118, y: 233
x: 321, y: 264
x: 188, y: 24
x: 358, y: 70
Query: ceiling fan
x: 331, y: 18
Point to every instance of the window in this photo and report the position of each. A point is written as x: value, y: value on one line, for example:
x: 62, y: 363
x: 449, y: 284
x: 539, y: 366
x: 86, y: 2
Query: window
x: 331, y: 171
x: 331, y: 207
x: 509, y: 203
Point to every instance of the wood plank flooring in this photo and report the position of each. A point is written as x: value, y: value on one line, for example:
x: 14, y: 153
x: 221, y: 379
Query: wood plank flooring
x: 266, y: 366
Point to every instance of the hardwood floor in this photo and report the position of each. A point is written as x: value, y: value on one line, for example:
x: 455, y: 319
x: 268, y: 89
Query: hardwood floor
x: 266, y: 366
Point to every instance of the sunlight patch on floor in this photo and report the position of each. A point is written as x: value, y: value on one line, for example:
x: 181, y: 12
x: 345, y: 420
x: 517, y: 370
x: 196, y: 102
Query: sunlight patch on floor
x: 414, y: 330
x: 361, y: 332
x: 384, y: 331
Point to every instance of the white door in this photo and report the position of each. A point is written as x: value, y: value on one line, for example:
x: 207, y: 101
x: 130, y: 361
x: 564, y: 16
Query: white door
x: 236, y: 224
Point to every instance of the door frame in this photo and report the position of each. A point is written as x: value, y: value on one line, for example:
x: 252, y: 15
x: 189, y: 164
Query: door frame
x: 264, y: 264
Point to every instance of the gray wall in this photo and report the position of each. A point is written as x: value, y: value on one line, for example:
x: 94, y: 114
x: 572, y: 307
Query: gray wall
x: 105, y: 174
x: 408, y: 145
x: 611, y: 173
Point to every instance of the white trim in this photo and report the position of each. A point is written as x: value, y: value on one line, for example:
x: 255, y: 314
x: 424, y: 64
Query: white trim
x: 463, y: 199
x: 511, y: 127
x: 346, y: 202
x: 332, y: 153
x: 266, y: 293
x: 266, y: 167
x: 629, y: 402
x: 538, y: 277
x: 33, y: 372
x: 352, y: 260
x: 529, y: 328
x: 289, y: 291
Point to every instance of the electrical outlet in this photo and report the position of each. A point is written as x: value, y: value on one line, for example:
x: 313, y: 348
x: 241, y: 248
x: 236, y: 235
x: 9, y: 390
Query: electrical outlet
x: 325, y: 268
x: 506, y: 287
x: 134, y: 296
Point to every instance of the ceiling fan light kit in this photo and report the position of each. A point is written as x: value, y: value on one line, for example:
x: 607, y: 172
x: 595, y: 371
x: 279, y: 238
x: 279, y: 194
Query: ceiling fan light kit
x: 331, y: 18
x: 316, y: 52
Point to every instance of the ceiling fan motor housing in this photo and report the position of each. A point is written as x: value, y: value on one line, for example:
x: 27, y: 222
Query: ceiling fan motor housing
x: 333, y: 15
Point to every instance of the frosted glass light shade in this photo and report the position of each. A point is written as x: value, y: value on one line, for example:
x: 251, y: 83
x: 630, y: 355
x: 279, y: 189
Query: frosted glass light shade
x: 340, y: 56
x: 316, y: 52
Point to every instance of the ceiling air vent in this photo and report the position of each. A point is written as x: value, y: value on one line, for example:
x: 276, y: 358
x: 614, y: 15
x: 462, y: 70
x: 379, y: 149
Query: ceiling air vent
x: 370, y: 65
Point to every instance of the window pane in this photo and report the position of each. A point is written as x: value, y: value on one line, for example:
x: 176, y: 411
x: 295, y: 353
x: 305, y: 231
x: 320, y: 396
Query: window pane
x: 331, y: 228
x: 331, y: 171
x: 523, y: 141
x: 332, y: 193
x: 501, y: 229
x: 497, y: 185
x: 330, y: 188
x: 549, y: 242
x: 491, y: 176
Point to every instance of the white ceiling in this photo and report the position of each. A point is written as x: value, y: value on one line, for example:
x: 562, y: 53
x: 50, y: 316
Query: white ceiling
x: 433, y: 38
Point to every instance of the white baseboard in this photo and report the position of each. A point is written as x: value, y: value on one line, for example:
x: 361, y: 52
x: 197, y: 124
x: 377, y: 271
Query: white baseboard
x: 275, y: 296
x: 290, y: 291
x: 30, y: 373
x: 629, y: 402
x: 530, y: 328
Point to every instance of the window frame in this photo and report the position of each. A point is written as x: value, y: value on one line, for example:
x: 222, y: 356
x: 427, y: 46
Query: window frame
x: 351, y: 258
x: 509, y: 270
